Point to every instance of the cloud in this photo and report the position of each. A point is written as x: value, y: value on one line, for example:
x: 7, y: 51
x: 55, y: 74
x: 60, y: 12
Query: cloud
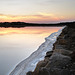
x: 40, y: 18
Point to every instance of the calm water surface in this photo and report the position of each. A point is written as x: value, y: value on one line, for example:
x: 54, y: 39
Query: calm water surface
x: 16, y: 44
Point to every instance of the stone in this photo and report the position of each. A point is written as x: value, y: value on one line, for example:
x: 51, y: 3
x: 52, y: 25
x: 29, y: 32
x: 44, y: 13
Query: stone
x: 59, y: 71
x: 63, y: 51
x: 49, y: 53
x: 72, y: 55
x: 43, y: 71
x: 59, y: 46
x: 62, y: 41
x: 29, y: 73
x: 58, y: 60
x: 40, y: 65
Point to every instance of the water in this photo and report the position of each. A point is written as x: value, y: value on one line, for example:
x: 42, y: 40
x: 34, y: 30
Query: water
x: 16, y: 44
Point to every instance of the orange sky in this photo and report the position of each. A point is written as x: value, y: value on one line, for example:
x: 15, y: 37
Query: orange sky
x: 40, y: 18
x: 31, y: 18
x: 37, y: 11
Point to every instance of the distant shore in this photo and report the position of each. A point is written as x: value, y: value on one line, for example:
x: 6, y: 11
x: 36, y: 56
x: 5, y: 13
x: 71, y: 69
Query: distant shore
x: 24, y: 24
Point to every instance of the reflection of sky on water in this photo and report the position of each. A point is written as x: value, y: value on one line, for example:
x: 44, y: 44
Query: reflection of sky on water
x: 20, y: 44
x: 28, y: 30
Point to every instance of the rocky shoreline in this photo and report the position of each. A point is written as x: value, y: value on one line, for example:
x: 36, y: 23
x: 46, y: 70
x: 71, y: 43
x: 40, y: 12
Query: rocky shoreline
x: 29, y: 64
x: 61, y: 60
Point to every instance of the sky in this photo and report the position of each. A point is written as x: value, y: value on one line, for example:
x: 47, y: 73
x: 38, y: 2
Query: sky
x: 37, y: 11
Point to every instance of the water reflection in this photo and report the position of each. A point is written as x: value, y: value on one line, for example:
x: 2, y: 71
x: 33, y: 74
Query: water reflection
x: 28, y: 30
x: 16, y: 44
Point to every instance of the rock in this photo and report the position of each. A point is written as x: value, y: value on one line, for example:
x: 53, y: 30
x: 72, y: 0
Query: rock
x: 72, y: 55
x: 39, y: 66
x: 61, y: 60
x: 71, y: 25
x: 55, y: 71
x: 46, y: 59
x: 62, y: 42
x: 65, y: 72
x: 58, y: 71
x: 72, y: 68
x: 29, y: 73
x: 44, y: 71
x: 49, y: 53
x: 59, y: 46
x: 63, y: 51
x: 58, y: 60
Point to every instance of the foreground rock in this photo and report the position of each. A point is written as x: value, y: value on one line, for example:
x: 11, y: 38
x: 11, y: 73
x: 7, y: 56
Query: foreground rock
x: 61, y: 60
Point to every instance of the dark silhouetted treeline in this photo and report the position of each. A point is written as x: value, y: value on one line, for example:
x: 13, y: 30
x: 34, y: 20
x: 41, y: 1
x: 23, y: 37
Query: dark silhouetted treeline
x: 23, y: 24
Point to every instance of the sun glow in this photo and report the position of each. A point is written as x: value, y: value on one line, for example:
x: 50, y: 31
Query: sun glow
x: 41, y: 17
